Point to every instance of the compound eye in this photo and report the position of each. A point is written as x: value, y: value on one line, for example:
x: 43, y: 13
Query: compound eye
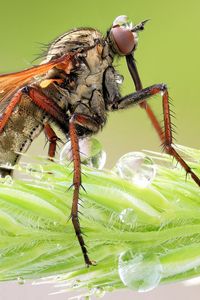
x: 123, y: 39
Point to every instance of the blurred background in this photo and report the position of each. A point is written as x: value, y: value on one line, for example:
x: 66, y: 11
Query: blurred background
x: 168, y: 51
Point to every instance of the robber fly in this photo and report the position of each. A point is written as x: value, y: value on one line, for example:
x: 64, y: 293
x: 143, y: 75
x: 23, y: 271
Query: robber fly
x: 74, y: 88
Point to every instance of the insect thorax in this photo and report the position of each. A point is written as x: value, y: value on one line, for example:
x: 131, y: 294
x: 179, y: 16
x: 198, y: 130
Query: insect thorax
x: 91, y: 85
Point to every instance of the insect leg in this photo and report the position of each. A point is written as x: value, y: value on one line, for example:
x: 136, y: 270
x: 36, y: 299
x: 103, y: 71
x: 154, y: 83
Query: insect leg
x: 139, y: 97
x: 48, y: 105
x: 9, y: 109
x: 138, y: 86
x: 42, y: 101
x: 52, y: 139
x: 87, y: 122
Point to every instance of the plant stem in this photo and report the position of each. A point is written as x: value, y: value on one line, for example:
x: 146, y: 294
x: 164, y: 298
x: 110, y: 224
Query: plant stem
x: 140, y: 237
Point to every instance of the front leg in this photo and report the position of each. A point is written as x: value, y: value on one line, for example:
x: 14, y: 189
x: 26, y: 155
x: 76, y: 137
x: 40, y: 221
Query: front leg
x: 145, y: 94
x: 138, y: 86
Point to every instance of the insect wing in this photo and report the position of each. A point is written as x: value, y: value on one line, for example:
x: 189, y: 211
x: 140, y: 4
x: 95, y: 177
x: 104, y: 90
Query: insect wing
x: 10, y: 83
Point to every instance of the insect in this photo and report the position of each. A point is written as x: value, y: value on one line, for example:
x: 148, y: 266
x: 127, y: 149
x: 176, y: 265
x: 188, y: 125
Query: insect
x: 75, y: 87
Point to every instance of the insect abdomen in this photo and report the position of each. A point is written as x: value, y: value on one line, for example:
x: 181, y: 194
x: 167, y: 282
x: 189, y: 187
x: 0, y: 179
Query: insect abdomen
x: 25, y: 124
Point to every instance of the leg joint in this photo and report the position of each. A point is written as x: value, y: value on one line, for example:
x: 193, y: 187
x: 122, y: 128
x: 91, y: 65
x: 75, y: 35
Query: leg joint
x: 25, y: 89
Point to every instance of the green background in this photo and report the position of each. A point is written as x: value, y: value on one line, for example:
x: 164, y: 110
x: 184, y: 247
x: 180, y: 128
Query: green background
x: 168, y: 51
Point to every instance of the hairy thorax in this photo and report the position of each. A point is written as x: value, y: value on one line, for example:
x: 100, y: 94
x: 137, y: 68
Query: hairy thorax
x: 85, y: 83
x: 88, y: 89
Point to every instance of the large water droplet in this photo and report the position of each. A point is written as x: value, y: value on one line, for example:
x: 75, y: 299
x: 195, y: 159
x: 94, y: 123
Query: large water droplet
x: 137, y: 168
x: 91, y: 153
x: 139, y: 272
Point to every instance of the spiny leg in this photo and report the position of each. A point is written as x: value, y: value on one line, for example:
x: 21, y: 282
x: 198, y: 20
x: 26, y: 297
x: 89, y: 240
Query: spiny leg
x: 88, y: 123
x: 168, y: 139
x: 145, y: 94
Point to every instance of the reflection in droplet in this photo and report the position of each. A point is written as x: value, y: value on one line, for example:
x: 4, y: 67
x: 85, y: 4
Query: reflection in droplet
x: 91, y: 153
x: 139, y: 272
x: 137, y: 168
x: 119, y: 78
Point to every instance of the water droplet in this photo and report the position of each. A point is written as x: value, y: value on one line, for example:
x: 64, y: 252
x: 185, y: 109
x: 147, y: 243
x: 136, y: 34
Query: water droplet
x: 128, y: 216
x: 76, y: 283
x: 139, y: 272
x: 35, y: 170
x: 20, y: 280
x: 58, y: 246
x: 98, y: 292
x: 91, y: 153
x: 109, y: 288
x: 137, y: 168
x: 50, y: 186
x: 7, y: 180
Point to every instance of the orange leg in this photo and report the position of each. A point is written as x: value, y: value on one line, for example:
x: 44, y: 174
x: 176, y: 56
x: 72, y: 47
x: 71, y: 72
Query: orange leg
x: 166, y: 135
x: 86, y: 122
x: 52, y: 139
x: 9, y: 109
x: 138, y: 86
x: 167, y: 141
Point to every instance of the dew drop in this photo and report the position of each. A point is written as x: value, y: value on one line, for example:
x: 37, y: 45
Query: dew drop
x: 7, y: 180
x: 35, y: 170
x: 91, y: 153
x: 20, y: 280
x: 109, y: 288
x: 98, y: 292
x: 137, y: 168
x: 76, y: 283
x: 139, y: 272
x: 128, y: 216
x: 58, y: 246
